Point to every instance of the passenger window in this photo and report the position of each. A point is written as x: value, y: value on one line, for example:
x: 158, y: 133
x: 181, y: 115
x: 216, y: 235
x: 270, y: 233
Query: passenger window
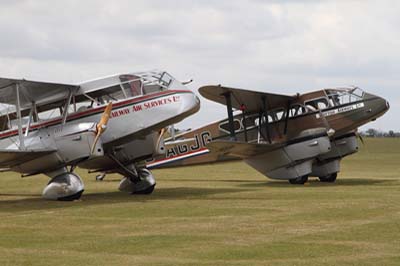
x: 224, y: 126
x: 279, y: 115
x: 296, y: 110
x: 317, y: 104
x: 131, y: 84
x: 256, y: 120
x: 322, y: 105
x: 4, y: 123
x: 49, y: 114
x: 250, y: 121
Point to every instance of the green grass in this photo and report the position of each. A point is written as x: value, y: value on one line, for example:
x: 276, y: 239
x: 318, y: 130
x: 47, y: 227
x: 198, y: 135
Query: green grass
x: 225, y: 214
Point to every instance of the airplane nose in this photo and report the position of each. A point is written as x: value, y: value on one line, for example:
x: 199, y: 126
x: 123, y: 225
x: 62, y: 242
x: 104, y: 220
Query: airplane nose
x: 376, y: 106
x: 384, y: 104
x: 191, y: 103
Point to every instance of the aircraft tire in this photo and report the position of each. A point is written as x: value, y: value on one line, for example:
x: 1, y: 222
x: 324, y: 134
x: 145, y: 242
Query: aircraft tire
x: 147, y: 191
x: 64, y: 187
x: 299, y: 181
x: 329, y: 178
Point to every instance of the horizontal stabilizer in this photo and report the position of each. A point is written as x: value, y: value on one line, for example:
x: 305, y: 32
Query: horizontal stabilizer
x: 10, y: 158
x: 241, y: 149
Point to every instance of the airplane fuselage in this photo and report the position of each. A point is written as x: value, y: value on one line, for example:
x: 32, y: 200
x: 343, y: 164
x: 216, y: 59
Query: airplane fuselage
x: 341, y: 119
x: 132, y: 120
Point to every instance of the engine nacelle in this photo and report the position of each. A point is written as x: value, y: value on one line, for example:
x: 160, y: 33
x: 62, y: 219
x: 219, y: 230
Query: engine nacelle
x: 329, y: 163
x: 294, y: 160
x: 65, y: 186
x: 74, y: 142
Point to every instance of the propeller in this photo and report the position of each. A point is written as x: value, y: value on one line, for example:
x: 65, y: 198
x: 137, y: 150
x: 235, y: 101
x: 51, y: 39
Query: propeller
x: 102, y: 125
x: 360, y: 137
x: 330, y: 131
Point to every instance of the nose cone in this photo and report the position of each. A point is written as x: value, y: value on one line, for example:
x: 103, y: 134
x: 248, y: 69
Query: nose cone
x: 190, y: 103
x: 376, y: 106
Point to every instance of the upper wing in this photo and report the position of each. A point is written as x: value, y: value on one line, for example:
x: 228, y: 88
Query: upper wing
x: 241, y: 149
x: 252, y: 100
x: 10, y: 158
x: 32, y: 91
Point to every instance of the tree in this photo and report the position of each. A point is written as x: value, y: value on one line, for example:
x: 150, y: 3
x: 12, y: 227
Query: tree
x: 372, y: 132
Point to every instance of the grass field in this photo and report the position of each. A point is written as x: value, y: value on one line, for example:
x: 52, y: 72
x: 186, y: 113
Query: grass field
x: 212, y: 215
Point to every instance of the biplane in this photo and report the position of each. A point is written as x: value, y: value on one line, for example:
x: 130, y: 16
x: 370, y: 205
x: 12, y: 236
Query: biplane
x: 111, y: 124
x: 283, y: 137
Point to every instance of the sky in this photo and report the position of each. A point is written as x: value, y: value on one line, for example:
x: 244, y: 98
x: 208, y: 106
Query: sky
x: 274, y: 46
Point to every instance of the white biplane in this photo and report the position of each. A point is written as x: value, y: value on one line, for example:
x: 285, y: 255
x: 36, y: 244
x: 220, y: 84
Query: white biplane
x: 49, y: 128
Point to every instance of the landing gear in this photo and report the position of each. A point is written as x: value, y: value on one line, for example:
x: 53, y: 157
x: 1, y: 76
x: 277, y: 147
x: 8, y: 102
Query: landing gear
x: 142, y: 183
x: 65, y: 187
x: 299, y: 181
x: 329, y: 178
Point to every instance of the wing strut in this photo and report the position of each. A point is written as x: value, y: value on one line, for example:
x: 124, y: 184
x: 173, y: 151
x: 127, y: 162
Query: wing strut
x: 265, y: 111
x: 228, y: 99
x: 287, y: 118
x: 243, y: 109
x: 18, y: 106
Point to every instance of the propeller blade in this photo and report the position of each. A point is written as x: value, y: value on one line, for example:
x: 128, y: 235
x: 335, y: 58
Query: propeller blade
x: 102, y: 125
x: 162, y: 131
x: 329, y: 130
x: 360, y: 137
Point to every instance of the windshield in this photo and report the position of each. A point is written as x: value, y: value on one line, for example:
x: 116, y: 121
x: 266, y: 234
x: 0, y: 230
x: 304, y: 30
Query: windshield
x: 344, y: 96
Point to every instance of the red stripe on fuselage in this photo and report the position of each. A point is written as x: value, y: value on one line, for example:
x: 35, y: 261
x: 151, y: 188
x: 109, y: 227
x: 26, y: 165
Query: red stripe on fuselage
x: 94, y: 111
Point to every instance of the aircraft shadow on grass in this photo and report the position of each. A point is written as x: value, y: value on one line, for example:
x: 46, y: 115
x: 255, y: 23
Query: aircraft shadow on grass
x: 317, y: 183
x: 31, y: 202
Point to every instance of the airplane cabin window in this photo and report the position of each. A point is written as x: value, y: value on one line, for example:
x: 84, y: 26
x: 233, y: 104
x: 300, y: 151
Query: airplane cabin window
x: 249, y: 121
x: 133, y: 88
x: 257, y: 119
x: 224, y: 126
x: 4, y: 123
x: 49, y: 114
x: 296, y: 110
x: 317, y: 104
x: 322, y: 105
x: 132, y: 85
x: 279, y: 114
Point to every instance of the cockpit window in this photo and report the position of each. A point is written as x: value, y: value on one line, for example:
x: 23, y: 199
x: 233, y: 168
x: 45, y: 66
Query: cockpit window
x: 344, y: 96
x: 166, y: 79
x: 357, y: 92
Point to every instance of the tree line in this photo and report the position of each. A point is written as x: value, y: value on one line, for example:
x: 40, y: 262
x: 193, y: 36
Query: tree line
x: 375, y: 133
